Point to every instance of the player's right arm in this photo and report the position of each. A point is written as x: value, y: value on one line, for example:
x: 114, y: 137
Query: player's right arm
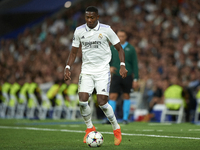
x: 71, y: 59
x: 72, y: 55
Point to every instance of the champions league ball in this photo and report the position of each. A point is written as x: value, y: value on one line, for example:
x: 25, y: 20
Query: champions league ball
x: 94, y: 139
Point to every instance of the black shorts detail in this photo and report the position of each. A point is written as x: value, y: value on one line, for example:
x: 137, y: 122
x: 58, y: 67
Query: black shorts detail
x: 119, y: 84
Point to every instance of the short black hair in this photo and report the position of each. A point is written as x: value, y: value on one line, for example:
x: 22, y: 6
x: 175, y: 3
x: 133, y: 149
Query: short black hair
x: 92, y: 9
x: 122, y: 30
x: 127, y: 33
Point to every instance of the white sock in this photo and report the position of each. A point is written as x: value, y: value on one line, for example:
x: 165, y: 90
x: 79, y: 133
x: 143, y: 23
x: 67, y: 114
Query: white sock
x: 108, y: 111
x: 86, y: 113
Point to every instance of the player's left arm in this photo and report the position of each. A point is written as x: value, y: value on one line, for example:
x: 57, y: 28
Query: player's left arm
x: 123, y: 72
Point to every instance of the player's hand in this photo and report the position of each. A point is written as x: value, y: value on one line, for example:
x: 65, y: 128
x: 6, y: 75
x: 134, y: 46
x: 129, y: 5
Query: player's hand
x: 67, y: 74
x: 135, y: 85
x: 123, y: 72
x: 112, y: 70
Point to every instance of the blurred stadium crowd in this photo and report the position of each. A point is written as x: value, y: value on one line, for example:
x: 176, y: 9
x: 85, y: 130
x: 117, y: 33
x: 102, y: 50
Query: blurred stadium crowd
x: 165, y: 35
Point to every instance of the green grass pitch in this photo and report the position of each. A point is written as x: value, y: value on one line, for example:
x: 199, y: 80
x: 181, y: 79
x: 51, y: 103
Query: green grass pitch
x: 68, y: 135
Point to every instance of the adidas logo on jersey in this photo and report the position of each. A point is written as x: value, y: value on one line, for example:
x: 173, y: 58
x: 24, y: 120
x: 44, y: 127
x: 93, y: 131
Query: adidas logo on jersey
x: 103, y: 90
x: 82, y: 37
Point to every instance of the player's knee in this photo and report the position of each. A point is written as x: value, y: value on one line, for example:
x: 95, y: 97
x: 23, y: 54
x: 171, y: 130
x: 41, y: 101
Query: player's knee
x: 113, y: 96
x: 126, y: 96
x: 102, y: 99
x: 102, y: 102
x: 83, y: 97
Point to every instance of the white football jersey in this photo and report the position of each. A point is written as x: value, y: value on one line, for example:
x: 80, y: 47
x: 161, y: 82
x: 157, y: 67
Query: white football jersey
x: 96, y: 53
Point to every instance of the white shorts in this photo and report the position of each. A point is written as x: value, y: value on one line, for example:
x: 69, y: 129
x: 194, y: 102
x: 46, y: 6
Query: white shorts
x: 101, y: 82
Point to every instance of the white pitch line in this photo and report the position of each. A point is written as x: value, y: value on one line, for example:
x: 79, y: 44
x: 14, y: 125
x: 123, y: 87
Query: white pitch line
x: 74, y: 125
x: 160, y: 124
x: 65, y: 130
x: 147, y: 130
x: 159, y: 130
x: 194, y: 129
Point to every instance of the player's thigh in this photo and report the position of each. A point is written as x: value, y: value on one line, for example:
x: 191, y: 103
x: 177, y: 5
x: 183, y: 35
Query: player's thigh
x: 127, y: 84
x: 102, y: 83
x: 115, y: 84
x: 85, y: 84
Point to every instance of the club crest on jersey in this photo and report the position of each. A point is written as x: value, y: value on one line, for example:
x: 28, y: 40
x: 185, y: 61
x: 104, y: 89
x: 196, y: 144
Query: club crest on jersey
x: 100, y: 36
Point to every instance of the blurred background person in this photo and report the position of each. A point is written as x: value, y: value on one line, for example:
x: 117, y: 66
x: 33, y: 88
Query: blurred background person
x: 118, y: 84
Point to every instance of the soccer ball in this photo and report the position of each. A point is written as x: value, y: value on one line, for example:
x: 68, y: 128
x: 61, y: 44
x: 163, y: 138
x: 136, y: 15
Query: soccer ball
x: 94, y: 139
